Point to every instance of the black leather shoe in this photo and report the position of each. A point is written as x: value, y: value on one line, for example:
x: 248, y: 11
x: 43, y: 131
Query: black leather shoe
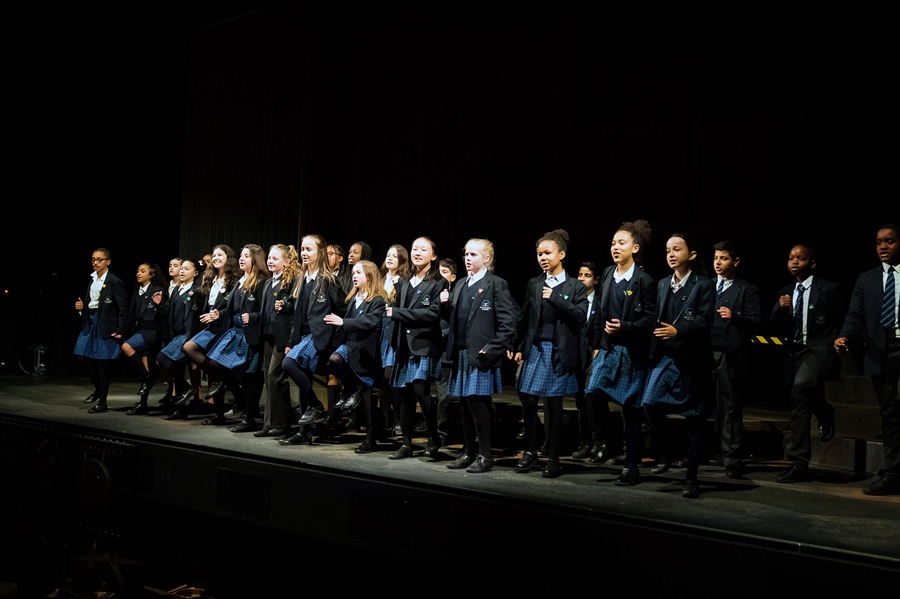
x: 552, y: 470
x: 544, y: 451
x: 629, y: 477
x: 691, y: 489
x: 583, y: 451
x: 463, y: 461
x: 404, y: 452
x: 298, y: 439
x: 364, y: 447
x: 481, y: 464
x: 91, y: 398
x: 215, y: 390
x: 420, y: 426
x: 180, y: 413
x: 521, y: 434
x: 166, y: 401
x: 98, y: 409
x: 528, y: 461
x: 263, y: 432
x: 311, y: 415
x: 215, y: 421
x: 245, y: 426
x: 794, y: 474
x: 660, y: 468
x: 599, y: 455
x: 138, y: 410
x: 184, y: 397
x: 146, y: 385
x: 826, y: 428
x: 679, y: 463
x: 431, y: 449
x: 888, y: 484
x: 352, y: 401
x: 734, y: 470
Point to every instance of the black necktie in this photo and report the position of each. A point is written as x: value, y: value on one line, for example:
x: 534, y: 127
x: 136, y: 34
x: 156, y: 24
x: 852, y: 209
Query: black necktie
x: 888, y: 302
x: 721, y: 288
x: 798, y: 315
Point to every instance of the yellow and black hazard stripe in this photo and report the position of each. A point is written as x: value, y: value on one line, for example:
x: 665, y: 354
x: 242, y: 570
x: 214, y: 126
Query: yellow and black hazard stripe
x: 764, y: 340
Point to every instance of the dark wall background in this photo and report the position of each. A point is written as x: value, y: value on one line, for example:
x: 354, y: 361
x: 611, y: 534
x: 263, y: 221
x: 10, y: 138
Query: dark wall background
x: 158, y: 130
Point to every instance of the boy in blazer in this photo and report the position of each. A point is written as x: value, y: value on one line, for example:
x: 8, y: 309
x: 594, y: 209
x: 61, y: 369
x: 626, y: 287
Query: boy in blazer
x: 735, y: 319
x: 809, y: 313
x: 872, y: 320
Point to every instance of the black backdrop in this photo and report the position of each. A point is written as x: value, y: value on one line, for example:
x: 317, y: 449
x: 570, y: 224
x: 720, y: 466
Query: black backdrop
x: 158, y: 131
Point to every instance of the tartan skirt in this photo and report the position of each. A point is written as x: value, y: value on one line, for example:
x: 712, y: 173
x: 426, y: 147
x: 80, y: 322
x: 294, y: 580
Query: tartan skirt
x: 538, y: 376
x: 174, y: 349
x: 344, y: 353
x: 305, y: 354
x: 90, y: 345
x: 232, y: 350
x: 669, y: 388
x: 138, y: 344
x: 613, y: 374
x: 466, y: 380
x: 417, y: 368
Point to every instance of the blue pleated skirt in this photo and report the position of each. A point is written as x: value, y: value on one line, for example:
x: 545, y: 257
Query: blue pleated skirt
x: 467, y: 380
x: 538, y: 376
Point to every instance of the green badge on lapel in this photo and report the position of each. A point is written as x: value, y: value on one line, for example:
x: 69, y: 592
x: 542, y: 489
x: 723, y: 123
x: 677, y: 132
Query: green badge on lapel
x: 565, y: 297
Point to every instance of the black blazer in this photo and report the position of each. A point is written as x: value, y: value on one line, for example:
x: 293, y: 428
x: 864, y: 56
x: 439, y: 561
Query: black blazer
x: 222, y: 304
x: 691, y: 349
x: 490, y: 323
x: 245, y: 301
x: 569, y: 300
x: 416, y: 314
x: 638, y: 315
x: 276, y: 324
x: 362, y: 335
x: 327, y: 298
x: 145, y: 316
x: 733, y: 337
x: 825, y: 313
x: 182, y: 312
x: 863, y: 321
x: 112, y: 315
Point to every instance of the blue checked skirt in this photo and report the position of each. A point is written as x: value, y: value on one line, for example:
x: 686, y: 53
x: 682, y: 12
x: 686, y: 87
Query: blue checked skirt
x: 232, y: 350
x: 669, y: 388
x: 388, y: 355
x: 613, y: 374
x: 417, y: 368
x: 174, y: 349
x: 344, y: 353
x: 204, y: 339
x: 538, y: 376
x: 467, y: 380
x: 90, y: 345
x: 138, y: 344
x: 304, y: 353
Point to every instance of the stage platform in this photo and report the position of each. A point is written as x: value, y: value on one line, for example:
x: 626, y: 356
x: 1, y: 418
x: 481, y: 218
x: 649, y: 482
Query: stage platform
x: 148, y: 503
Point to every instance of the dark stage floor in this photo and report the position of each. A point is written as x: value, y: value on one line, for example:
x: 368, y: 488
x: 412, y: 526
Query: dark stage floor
x: 167, y: 502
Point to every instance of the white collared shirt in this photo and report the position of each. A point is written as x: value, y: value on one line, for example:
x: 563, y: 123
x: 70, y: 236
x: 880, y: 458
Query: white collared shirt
x: 96, y: 287
x: 554, y: 280
x: 474, y: 278
x: 727, y: 283
x: 627, y: 276
x: 216, y: 289
x: 677, y: 285
x: 807, y: 285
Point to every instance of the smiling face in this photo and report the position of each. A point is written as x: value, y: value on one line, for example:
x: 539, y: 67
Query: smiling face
x: 550, y: 257
x: 422, y: 254
x: 887, y: 245
x: 275, y: 261
x: 219, y: 259
x: 800, y: 262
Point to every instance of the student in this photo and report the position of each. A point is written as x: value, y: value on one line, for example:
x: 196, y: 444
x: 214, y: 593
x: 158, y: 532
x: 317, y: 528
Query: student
x: 680, y: 377
x: 620, y: 342
x: 872, y: 321
x: 312, y: 340
x: 102, y: 326
x: 442, y: 396
x: 735, y: 320
x: 284, y: 268
x: 482, y: 317
x: 418, y: 343
x: 218, y: 284
x: 146, y: 330
x: 549, y: 346
x: 394, y: 268
x: 809, y: 313
x: 359, y: 250
x: 174, y: 283
x: 357, y: 361
x: 338, y: 266
x: 182, y: 316
x: 588, y: 435
x: 236, y: 357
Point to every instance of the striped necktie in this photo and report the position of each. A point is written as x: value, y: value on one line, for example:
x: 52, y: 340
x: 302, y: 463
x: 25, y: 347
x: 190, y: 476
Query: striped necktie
x: 798, y: 315
x: 888, y: 302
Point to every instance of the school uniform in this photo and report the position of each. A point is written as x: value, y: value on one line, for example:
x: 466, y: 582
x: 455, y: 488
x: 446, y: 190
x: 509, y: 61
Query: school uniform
x: 870, y: 321
x: 731, y: 345
x: 238, y: 349
x: 276, y: 334
x: 145, y: 324
x: 482, y: 329
x: 219, y: 298
x: 811, y: 359
x: 103, y: 315
x: 549, y: 336
x: 182, y: 315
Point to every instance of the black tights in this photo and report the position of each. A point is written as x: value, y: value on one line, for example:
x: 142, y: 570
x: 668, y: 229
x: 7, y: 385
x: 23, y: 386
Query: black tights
x: 98, y: 372
x: 410, y: 395
x: 476, y: 423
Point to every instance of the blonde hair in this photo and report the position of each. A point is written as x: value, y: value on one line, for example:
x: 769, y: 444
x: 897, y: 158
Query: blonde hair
x: 374, y: 282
